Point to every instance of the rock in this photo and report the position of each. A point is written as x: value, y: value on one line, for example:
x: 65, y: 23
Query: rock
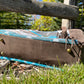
x: 24, y: 66
x: 3, y: 65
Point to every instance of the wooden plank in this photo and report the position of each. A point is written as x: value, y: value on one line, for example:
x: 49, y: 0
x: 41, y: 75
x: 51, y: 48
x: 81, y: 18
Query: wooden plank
x: 42, y: 8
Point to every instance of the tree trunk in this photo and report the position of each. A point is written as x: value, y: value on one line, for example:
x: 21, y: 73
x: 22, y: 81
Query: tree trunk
x: 42, y: 8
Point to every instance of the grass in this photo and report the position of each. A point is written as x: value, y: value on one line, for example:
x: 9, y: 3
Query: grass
x: 72, y: 74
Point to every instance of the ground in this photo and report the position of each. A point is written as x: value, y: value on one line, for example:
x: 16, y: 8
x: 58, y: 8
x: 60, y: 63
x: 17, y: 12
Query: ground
x: 17, y: 73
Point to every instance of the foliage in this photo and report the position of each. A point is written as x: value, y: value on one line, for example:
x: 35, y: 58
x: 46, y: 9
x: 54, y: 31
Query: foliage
x: 80, y: 20
x: 53, y: 23
x: 45, y: 23
x: 12, y: 20
x: 72, y: 74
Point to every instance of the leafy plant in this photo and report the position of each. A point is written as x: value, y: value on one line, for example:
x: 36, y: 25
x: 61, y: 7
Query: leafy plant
x: 46, y: 23
x: 72, y: 74
x: 12, y: 20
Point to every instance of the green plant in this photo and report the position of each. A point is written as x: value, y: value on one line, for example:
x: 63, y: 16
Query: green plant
x: 72, y: 74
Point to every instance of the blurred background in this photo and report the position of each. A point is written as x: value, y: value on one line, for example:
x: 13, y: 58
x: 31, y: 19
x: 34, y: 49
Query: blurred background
x: 12, y: 20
